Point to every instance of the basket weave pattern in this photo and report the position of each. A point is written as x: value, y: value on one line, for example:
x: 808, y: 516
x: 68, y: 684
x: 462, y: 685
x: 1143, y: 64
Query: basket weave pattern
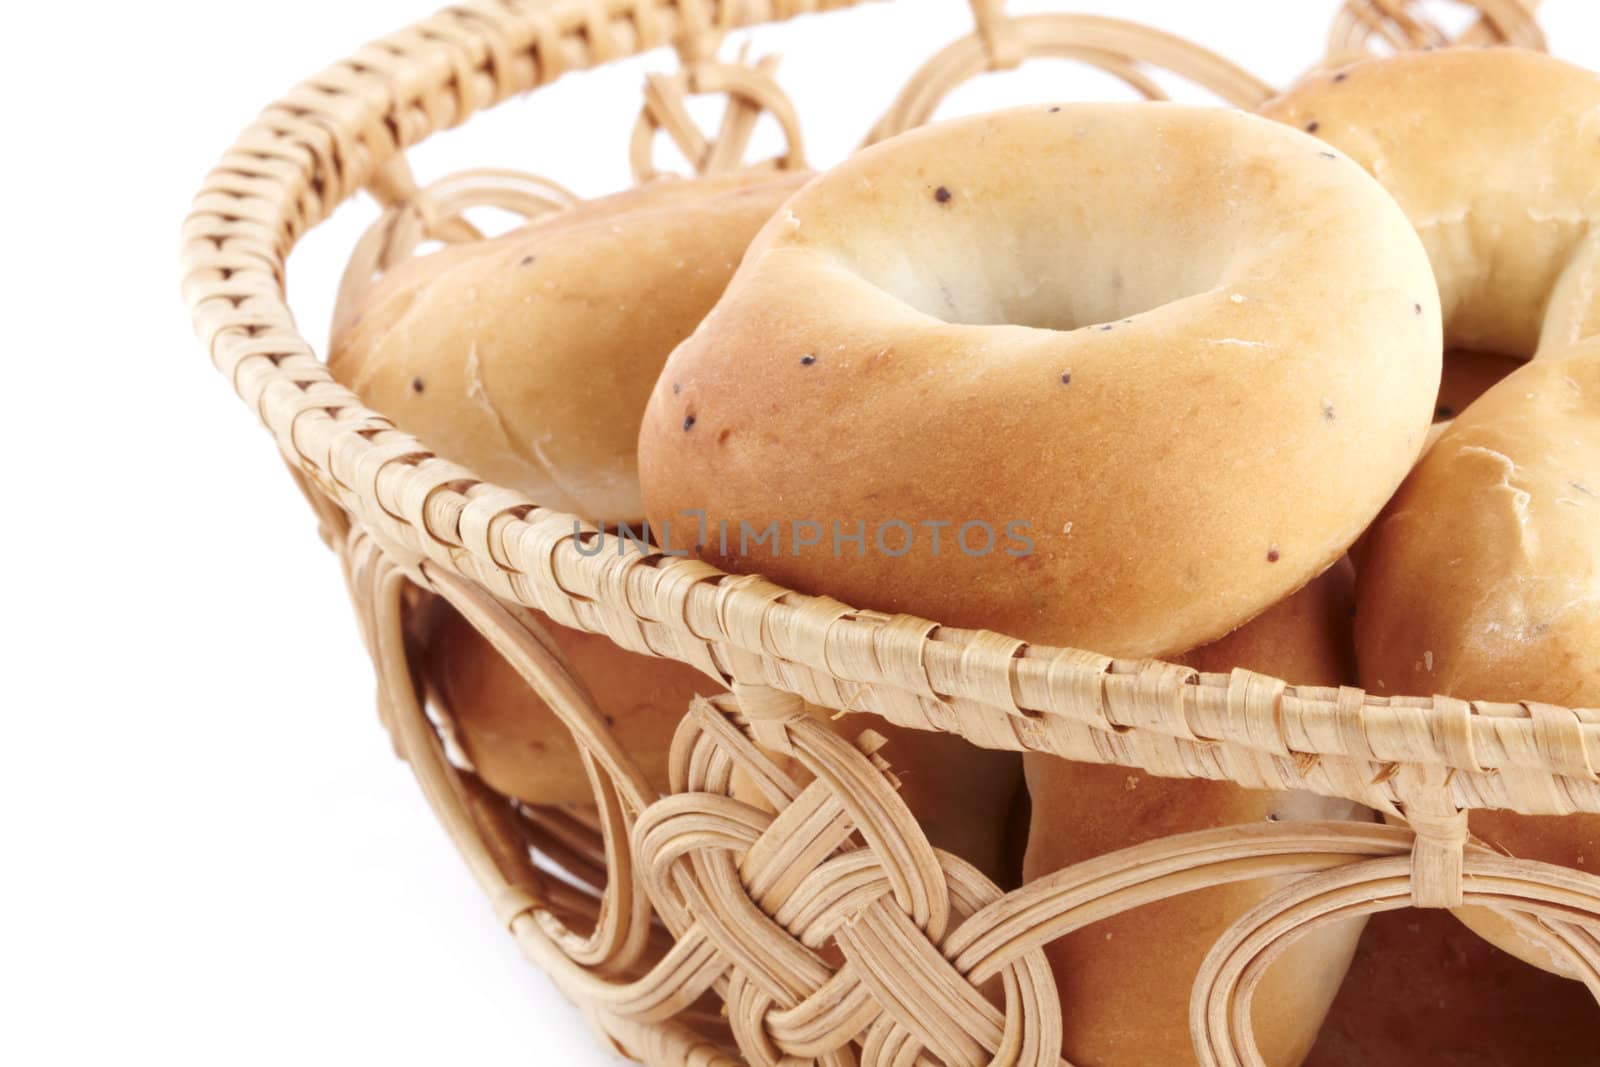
x: 831, y: 931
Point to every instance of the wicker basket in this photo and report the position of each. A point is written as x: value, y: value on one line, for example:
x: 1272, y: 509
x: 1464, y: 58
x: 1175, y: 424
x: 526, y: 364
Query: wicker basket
x: 691, y: 927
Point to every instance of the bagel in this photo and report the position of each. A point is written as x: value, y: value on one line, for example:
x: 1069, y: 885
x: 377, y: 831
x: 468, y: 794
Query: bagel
x: 1481, y: 580
x: 515, y: 743
x: 1108, y: 346
x: 1492, y: 153
x: 1424, y: 991
x: 528, y: 358
x: 1125, y: 982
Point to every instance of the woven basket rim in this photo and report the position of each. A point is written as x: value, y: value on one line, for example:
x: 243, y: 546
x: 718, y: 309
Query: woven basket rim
x: 329, y: 135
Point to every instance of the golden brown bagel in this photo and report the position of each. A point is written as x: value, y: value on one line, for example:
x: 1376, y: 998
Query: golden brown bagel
x: 1481, y: 580
x: 1492, y: 152
x: 909, y: 341
x: 515, y: 743
x: 1425, y: 991
x: 1125, y: 982
x: 528, y: 358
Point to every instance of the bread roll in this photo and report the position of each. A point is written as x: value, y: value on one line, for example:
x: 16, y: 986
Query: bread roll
x: 1425, y: 991
x: 515, y: 743
x: 1125, y: 982
x: 1492, y: 153
x: 1481, y: 580
x: 1241, y: 314
x: 528, y: 358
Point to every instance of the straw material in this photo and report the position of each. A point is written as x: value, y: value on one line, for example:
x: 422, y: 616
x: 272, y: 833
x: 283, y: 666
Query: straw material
x: 693, y: 928
x: 1123, y: 49
x: 1363, y: 26
x: 750, y: 90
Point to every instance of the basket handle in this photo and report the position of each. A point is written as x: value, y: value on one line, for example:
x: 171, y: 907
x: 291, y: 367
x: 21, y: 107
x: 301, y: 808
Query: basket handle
x: 1360, y: 24
x: 1121, y: 48
x: 436, y: 212
x: 750, y: 88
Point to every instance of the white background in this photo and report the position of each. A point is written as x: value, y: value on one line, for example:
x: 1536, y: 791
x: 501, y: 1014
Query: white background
x: 210, y: 854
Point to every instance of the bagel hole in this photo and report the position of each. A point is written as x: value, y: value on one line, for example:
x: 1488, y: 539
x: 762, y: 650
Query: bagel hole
x: 1097, y: 235
x: 1035, y: 285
